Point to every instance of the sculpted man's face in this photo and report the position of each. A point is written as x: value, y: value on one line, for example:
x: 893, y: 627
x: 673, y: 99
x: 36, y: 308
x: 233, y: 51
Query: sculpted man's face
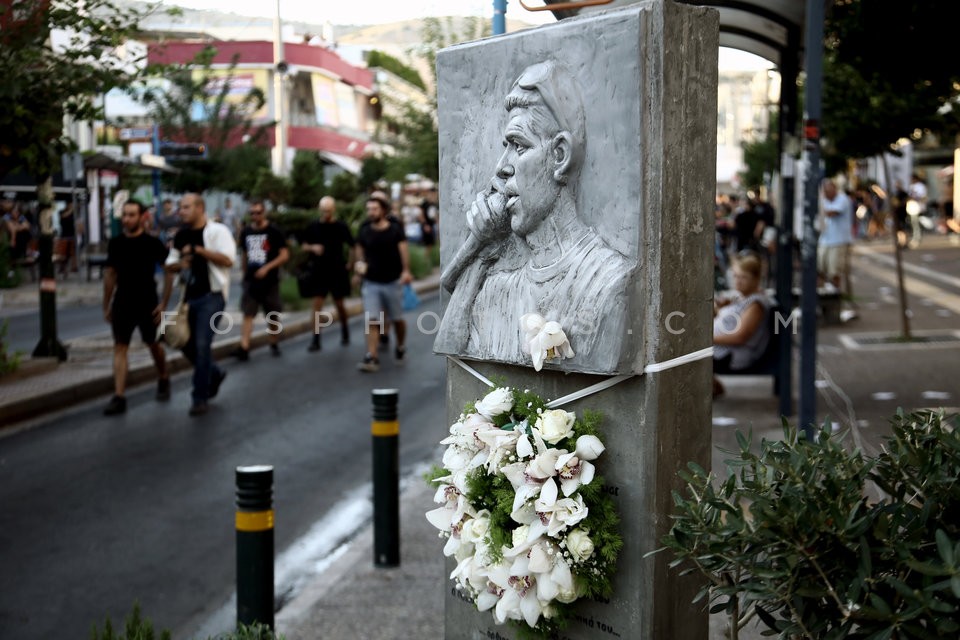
x: 527, y: 170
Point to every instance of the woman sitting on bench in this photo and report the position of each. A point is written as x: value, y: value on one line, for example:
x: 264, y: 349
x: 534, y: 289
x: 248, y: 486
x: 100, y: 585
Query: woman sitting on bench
x: 740, y: 330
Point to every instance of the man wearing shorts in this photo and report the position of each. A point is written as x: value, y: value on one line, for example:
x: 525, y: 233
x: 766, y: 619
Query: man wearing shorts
x: 383, y: 261
x: 325, y: 241
x: 837, y: 235
x: 130, y: 300
x: 263, y: 251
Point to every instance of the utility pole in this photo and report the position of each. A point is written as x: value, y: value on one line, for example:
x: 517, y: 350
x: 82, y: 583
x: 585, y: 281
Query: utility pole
x: 811, y: 138
x: 279, y: 96
x: 499, y: 17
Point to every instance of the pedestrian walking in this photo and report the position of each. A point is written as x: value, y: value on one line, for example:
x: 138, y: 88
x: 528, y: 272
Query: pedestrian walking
x: 68, y: 240
x: 837, y: 236
x: 263, y: 250
x: 202, y: 253
x: 383, y: 261
x: 916, y: 207
x: 168, y: 221
x: 130, y: 301
x: 330, y: 247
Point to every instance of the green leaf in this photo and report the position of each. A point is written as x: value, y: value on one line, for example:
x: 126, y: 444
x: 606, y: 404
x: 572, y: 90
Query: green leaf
x: 883, y: 634
x: 945, y: 547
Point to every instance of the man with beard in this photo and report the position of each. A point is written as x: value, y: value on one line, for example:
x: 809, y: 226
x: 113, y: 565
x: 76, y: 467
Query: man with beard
x: 383, y: 261
x: 130, y: 301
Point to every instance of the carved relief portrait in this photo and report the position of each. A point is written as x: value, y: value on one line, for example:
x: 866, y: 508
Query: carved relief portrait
x: 531, y: 241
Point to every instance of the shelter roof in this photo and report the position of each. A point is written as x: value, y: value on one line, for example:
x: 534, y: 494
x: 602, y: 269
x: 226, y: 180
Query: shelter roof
x: 770, y: 29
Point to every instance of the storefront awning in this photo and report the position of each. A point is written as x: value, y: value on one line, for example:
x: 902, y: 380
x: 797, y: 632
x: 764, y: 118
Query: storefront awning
x: 351, y: 165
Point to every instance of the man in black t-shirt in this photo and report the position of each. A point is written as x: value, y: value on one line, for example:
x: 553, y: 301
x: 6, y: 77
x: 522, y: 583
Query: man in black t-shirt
x: 324, y: 241
x: 383, y: 261
x: 130, y: 300
x: 264, y: 250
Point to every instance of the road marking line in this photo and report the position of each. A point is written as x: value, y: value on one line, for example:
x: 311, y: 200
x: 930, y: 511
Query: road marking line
x: 913, y: 268
x: 919, y: 288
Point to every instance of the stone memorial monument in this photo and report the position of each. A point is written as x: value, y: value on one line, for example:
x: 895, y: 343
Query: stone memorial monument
x: 577, y: 174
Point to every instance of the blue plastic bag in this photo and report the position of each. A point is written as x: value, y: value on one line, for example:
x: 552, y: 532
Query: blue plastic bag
x: 410, y: 299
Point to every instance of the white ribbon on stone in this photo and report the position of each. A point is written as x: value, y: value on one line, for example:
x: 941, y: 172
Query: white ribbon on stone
x: 603, y: 385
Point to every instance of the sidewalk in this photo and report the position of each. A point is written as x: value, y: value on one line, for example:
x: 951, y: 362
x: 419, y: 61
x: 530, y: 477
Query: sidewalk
x: 859, y: 385
x: 352, y: 599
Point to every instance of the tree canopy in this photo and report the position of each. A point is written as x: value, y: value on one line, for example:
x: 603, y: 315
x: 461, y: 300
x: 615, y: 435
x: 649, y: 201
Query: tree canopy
x: 889, y: 73
x: 57, y: 59
x: 393, y: 65
x: 198, y: 104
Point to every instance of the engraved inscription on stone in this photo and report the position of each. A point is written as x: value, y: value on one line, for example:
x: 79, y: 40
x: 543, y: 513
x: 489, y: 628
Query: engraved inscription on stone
x: 530, y: 248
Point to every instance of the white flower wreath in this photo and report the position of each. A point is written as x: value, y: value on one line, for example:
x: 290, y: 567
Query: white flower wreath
x: 522, y: 509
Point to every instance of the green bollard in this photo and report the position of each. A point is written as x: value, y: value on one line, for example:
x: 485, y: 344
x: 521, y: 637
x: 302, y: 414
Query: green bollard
x: 386, y: 479
x: 255, y: 545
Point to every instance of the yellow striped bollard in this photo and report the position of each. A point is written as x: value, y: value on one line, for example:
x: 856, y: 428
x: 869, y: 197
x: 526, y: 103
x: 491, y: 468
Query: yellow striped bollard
x: 386, y: 479
x: 255, y: 545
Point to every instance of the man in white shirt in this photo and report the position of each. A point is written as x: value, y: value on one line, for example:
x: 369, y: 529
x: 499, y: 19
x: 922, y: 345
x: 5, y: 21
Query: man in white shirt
x: 203, y: 252
x: 916, y: 207
x: 837, y: 234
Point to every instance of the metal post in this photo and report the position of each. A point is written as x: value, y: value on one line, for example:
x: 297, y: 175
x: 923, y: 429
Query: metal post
x: 499, y: 17
x: 386, y: 479
x: 49, y: 345
x: 155, y: 174
x: 811, y: 135
x: 279, y: 98
x: 785, y: 245
x: 255, y: 545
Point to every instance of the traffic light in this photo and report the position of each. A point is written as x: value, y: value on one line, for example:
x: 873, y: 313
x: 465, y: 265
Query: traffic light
x: 183, y: 150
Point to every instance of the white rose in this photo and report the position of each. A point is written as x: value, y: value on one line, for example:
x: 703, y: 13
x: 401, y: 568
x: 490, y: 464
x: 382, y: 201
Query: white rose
x: 555, y: 425
x: 495, y: 403
x: 520, y: 535
x: 566, y: 596
x: 479, y: 526
x: 579, y: 545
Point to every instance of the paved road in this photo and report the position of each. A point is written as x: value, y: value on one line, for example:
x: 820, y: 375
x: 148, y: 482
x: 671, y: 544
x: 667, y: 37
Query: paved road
x: 98, y: 512
x: 23, y: 329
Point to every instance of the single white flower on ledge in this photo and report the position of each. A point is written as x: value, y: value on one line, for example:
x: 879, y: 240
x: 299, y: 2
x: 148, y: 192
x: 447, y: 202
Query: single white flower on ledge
x: 544, y: 340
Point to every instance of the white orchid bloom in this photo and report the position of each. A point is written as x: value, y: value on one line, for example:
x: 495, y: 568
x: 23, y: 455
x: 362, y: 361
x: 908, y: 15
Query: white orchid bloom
x: 520, y: 601
x: 455, y: 508
x: 489, y: 597
x: 501, y: 444
x: 544, y: 340
x: 524, y: 447
x: 545, y: 464
x: 559, y: 515
x: 589, y: 447
x: 559, y: 578
x: 496, y: 403
x: 525, y: 487
x: 573, y: 472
